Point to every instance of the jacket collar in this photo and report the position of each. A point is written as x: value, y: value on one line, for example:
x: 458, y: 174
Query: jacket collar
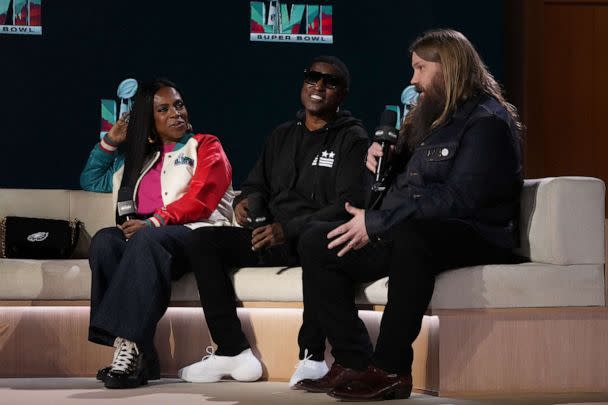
x: 180, y: 144
x: 466, y: 108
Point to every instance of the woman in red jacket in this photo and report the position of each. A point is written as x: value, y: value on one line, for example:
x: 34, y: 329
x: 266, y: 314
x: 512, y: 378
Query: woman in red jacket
x: 167, y: 182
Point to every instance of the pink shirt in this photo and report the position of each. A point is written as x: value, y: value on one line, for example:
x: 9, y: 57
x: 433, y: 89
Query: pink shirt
x: 149, y: 196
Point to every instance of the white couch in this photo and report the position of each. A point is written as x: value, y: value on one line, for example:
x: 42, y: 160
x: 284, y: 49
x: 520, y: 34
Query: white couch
x: 562, y: 231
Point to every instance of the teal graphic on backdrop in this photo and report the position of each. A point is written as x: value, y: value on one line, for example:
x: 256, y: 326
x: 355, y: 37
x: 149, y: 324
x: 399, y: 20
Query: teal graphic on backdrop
x: 306, y: 23
x: 21, y: 17
x: 108, y: 116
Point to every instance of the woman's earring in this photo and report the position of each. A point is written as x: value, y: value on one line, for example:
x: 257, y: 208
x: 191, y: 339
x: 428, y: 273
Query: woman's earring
x: 153, y: 137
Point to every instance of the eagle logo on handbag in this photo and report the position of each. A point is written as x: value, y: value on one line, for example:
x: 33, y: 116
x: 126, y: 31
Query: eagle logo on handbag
x: 37, y: 237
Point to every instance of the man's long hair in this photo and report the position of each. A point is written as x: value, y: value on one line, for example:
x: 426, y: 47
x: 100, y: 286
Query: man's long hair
x: 142, y: 138
x: 464, y: 73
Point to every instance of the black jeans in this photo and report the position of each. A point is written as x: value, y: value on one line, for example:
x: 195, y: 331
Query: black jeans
x: 213, y: 253
x: 131, y: 282
x: 418, y: 252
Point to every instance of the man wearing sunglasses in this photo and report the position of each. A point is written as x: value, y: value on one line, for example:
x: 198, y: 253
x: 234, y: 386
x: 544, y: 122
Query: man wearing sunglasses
x: 309, y: 168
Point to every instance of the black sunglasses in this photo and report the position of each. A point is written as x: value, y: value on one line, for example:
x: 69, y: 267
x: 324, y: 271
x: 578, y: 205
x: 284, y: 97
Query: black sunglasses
x: 313, y: 77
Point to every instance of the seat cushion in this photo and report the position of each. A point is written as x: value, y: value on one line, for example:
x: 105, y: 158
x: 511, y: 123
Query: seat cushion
x: 25, y: 279
x: 523, y: 285
x: 492, y: 286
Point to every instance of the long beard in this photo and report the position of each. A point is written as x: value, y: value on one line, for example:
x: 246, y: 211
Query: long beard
x: 419, y: 123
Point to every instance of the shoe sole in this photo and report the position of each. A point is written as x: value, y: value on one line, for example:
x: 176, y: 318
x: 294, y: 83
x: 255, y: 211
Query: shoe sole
x: 200, y: 380
x: 295, y: 386
x: 237, y: 375
x: 316, y: 390
x: 396, y: 393
x: 130, y: 385
x: 127, y: 386
x: 102, y: 376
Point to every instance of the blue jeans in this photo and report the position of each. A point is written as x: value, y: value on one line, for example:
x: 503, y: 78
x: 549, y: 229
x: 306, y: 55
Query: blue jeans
x: 131, y: 281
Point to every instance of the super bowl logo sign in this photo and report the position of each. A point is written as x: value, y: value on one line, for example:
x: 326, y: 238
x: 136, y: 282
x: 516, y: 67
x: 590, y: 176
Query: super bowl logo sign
x: 21, y: 17
x: 306, y: 23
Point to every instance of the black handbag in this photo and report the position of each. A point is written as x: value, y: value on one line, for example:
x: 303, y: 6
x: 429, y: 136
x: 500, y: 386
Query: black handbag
x: 38, y: 238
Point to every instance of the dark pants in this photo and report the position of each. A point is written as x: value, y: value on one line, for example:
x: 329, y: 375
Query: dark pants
x: 131, y: 281
x: 213, y: 253
x: 418, y: 252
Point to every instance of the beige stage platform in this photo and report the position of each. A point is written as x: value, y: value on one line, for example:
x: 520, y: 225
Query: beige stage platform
x: 76, y: 391
x: 474, y: 351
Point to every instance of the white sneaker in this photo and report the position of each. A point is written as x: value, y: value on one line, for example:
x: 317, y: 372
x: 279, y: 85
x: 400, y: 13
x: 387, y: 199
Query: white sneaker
x: 242, y: 367
x: 307, y: 368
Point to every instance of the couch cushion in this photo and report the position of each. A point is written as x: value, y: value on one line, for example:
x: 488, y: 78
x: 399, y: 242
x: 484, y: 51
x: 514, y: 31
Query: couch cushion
x: 23, y: 279
x: 95, y: 210
x: 562, y: 220
x: 523, y: 285
x: 493, y: 286
x: 53, y: 204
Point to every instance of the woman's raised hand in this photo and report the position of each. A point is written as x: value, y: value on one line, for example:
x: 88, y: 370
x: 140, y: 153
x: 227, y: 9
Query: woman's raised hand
x: 118, y: 133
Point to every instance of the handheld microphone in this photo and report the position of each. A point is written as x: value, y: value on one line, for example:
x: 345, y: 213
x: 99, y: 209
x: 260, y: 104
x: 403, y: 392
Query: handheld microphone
x: 258, y: 216
x: 386, y: 135
x: 125, y: 205
x: 257, y: 212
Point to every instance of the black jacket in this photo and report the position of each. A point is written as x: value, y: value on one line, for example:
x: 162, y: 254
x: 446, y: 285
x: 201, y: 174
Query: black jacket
x: 337, y: 177
x: 468, y: 169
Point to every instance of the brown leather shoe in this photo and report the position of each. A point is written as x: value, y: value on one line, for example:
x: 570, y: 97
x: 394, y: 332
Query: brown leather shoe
x: 374, y: 384
x: 336, y: 375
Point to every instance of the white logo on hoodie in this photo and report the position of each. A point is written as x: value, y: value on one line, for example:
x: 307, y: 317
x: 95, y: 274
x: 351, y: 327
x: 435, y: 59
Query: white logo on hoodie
x: 326, y: 160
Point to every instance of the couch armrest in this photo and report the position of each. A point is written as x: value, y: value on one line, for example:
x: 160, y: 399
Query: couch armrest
x: 562, y: 220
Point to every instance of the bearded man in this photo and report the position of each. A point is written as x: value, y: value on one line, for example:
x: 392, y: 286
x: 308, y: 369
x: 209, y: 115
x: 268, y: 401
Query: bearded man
x: 452, y: 201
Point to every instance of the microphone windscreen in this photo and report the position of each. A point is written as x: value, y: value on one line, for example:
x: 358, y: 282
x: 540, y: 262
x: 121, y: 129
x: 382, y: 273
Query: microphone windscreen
x: 258, y: 214
x: 125, y: 204
x: 388, y: 118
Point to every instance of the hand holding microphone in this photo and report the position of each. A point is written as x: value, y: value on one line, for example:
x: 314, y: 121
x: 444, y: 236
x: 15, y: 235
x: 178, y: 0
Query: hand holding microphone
x: 265, y: 233
x: 126, y: 212
x: 385, y: 136
x: 125, y: 206
x: 374, y: 152
x: 241, y: 212
x: 130, y: 227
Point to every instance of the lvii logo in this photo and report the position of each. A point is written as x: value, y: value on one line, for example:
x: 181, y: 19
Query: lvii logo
x: 306, y: 23
x: 25, y: 16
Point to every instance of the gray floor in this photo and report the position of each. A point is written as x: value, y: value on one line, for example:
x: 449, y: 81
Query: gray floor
x: 65, y: 391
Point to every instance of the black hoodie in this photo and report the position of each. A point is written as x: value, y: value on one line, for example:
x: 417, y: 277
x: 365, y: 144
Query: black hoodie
x: 301, y: 187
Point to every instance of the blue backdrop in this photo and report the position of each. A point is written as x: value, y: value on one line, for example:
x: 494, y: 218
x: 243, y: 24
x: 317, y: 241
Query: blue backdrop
x: 236, y: 89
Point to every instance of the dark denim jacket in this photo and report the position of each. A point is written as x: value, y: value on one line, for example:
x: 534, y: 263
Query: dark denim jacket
x: 468, y: 169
